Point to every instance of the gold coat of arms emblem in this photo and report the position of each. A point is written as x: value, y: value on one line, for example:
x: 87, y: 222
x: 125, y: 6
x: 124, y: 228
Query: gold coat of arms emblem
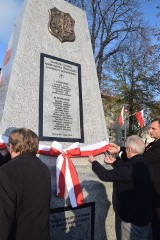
x: 61, y: 25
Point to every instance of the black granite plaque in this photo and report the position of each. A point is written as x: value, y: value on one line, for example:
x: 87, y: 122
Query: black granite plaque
x: 73, y: 223
x: 60, y: 100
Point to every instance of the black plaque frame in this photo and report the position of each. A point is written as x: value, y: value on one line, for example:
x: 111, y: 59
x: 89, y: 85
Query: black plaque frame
x: 86, y: 205
x: 61, y: 139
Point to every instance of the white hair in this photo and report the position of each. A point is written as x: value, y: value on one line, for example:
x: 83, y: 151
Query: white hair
x: 136, y: 143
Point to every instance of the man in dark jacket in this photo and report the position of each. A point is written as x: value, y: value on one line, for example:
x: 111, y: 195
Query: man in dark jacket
x: 152, y: 155
x: 24, y: 190
x: 134, y: 180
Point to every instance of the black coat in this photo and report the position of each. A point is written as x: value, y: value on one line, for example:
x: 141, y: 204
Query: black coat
x: 152, y: 155
x: 134, y: 184
x: 24, y: 199
x: 4, y: 156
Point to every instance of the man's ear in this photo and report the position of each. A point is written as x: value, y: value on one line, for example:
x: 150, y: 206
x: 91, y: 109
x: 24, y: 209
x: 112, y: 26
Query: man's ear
x: 129, y: 149
x: 10, y: 148
x: 12, y: 152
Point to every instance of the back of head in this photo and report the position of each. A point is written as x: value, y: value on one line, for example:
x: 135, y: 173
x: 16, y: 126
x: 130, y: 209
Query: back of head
x: 136, y: 143
x: 24, y: 140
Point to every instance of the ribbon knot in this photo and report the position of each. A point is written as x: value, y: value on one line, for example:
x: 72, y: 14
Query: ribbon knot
x: 66, y: 174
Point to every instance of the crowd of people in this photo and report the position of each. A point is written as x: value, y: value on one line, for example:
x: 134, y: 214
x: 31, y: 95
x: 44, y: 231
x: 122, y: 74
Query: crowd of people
x: 25, y: 186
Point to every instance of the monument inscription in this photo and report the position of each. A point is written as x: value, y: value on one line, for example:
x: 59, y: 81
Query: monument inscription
x: 73, y: 223
x: 60, y: 100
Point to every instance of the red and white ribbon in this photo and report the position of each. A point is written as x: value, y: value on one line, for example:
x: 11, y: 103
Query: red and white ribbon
x: 66, y: 174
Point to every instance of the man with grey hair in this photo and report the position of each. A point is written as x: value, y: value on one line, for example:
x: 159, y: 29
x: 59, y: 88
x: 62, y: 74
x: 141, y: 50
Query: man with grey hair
x: 152, y: 155
x: 134, y: 186
x: 136, y: 144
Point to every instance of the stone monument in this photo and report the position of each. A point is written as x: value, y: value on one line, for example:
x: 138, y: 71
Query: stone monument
x: 50, y: 86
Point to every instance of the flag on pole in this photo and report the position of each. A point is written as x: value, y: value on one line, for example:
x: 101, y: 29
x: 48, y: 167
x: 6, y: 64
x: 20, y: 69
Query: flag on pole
x: 6, y: 58
x: 121, y: 117
x: 140, y: 117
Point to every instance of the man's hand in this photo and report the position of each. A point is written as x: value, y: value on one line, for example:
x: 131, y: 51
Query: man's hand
x: 114, y: 149
x: 91, y: 158
x: 109, y: 159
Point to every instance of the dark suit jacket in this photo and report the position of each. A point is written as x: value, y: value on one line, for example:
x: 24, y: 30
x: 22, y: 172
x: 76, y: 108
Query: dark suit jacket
x: 25, y: 189
x: 152, y: 154
x: 4, y: 156
x: 134, y: 188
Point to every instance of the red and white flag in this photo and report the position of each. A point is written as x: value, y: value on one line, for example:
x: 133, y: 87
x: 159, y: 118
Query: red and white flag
x: 140, y: 118
x: 6, y: 58
x: 121, y: 117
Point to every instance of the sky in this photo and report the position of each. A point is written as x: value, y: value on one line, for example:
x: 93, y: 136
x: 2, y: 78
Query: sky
x: 9, y: 9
